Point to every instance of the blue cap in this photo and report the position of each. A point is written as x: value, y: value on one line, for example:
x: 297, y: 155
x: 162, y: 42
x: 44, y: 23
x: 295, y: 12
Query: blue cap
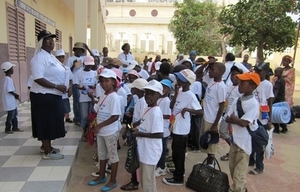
x: 181, y: 77
x: 166, y: 82
x: 193, y: 52
x: 208, y: 138
x: 125, y: 70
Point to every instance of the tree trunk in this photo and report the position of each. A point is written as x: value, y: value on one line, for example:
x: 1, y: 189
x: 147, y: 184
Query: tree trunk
x: 260, y: 53
x: 224, y: 51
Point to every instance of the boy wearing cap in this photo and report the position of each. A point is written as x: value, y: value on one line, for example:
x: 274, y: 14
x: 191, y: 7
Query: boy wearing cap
x: 264, y: 95
x: 183, y: 104
x: 232, y: 94
x: 241, y: 143
x: 164, y: 104
x: 85, y: 80
x: 9, y: 99
x: 149, y: 135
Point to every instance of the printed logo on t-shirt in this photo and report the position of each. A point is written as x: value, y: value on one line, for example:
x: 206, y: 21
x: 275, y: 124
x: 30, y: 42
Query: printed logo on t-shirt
x: 102, y: 107
x: 256, y: 95
x: 88, y: 81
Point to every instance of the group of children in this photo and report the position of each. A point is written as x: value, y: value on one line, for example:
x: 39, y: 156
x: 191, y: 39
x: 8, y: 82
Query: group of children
x: 123, y: 95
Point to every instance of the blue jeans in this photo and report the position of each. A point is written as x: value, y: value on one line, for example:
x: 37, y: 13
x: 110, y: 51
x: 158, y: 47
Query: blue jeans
x: 76, y: 107
x: 162, y: 161
x: 11, y: 120
x: 85, y: 107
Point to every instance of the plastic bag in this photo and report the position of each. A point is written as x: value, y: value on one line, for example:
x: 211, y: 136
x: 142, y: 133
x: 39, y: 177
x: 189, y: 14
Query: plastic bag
x: 132, y: 161
x: 270, y: 147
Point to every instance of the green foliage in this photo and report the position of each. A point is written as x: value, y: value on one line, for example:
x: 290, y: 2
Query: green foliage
x: 260, y: 24
x: 195, y: 27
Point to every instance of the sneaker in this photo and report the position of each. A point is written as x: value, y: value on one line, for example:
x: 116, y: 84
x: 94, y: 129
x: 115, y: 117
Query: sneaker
x: 17, y: 130
x: 225, y: 157
x: 9, y: 132
x: 68, y: 120
x: 160, y: 172
x: 53, y: 156
x: 171, y: 170
x: 42, y: 150
x: 171, y: 181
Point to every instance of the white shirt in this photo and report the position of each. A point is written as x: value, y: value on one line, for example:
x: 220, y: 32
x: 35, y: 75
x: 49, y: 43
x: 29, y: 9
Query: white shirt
x: 30, y: 80
x: 127, y: 89
x: 150, y: 149
x: 215, y: 94
x: 262, y: 93
x: 125, y: 59
x: 70, y: 63
x: 241, y: 136
x: 121, y: 92
x: 122, y: 103
x: 99, y: 91
x: 196, y: 88
x: 185, y: 99
x: 164, y: 104
x: 139, y: 107
x: 9, y: 101
x: 45, y: 65
x: 85, y: 78
x: 144, y: 74
x: 232, y: 94
x: 228, y: 66
x: 108, y: 106
x: 70, y: 77
x: 149, y: 64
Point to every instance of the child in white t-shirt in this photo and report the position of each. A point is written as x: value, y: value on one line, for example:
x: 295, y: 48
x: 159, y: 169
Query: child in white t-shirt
x: 10, y: 99
x: 86, y: 82
x: 149, y: 136
x: 232, y: 94
x: 241, y: 143
x: 139, y: 107
x: 213, y: 107
x: 164, y: 104
x: 183, y: 104
x: 108, y: 113
x: 264, y: 95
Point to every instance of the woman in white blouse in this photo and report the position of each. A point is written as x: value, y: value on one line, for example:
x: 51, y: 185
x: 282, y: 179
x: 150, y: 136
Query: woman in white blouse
x: 50, y: 80
x: 126, y: 57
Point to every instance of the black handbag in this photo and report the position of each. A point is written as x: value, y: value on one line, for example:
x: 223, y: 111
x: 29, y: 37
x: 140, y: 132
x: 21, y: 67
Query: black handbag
x: 204, y: 178
x: 132, y: 161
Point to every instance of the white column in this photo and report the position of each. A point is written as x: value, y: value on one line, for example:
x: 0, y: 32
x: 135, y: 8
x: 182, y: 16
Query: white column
x: 94, y: 24
x: 80, y: 13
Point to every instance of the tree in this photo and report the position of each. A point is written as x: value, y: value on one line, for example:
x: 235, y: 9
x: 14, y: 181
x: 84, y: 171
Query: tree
x: 195, y: 27
x: 261, y: 25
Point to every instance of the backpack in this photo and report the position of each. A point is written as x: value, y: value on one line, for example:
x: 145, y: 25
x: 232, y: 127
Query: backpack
x: 260, y: 136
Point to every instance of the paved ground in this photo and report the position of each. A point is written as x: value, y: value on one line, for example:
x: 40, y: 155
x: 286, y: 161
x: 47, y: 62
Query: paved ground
x: 282, y: 171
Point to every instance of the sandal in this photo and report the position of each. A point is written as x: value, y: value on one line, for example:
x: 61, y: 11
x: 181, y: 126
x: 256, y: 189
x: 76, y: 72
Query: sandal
x: 255, y: 172
x: 169, y: 159
x: 170, y: 165
x: 130, y: 187
x: 225, y: 157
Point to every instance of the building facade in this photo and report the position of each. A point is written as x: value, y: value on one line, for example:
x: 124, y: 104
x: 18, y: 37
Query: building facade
x: 22, y: 20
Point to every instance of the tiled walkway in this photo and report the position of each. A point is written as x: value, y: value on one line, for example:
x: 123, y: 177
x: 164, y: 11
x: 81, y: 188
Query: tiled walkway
x: 22, y: 167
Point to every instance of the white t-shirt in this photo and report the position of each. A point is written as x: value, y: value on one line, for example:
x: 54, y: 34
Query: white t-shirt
x: 196, y: 88
x: 9, y: 101
x: 121, y: 92
x: 149, y: 64
x: 30, y: 80
x: 85, y: 78
x: 45, y: 65
x: 70, y: 63
x: 108, y: 106
x: 228, y: 66
x: 99, y: 91
x: 232, y: 94
x: 215, y: 94
x: 125, y: 59
x: 144, y: 74
x: 241, y: 136
x: 70, y: 77
x: 262, y: 93
x: 127, y: 89
x: 164, y: 104
x: 122, y: 101
x: 185, y: 99
x: 150, y: 149
x: 139, y: 107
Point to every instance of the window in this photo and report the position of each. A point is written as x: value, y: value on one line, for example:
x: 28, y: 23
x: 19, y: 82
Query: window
x: 169, y: 47
x: 143, y: 46
x: 288, y: 50
x: 39, y: 26
x: 58, y: 40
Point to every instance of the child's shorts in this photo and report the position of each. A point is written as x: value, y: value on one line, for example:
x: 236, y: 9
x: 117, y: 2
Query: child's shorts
x: 212, y: 148
x: 66, y: 106
x: 108, y: 147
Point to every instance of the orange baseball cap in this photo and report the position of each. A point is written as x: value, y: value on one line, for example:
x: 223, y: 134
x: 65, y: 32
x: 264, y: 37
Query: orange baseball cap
x: 250, y: 76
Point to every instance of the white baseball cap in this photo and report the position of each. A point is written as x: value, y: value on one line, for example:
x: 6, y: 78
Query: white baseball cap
x: 186, y: 75
x: 108, y: 73
x: 131, y: 64
x: 89, y: 60
x: 60, y: 52
x: 95, y: 52
x: 157, y: 65
x: 6, y: 66
x: 154, y: 86
x: 139, y: 83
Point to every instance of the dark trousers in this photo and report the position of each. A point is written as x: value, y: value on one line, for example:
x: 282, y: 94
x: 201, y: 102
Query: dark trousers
x: 162, y: 161
x: 76, y: 105
x: 276, y: 127
x: 194, y: 135
x: 134, y: 178
x: 11, y: 120
x: 257, y: 159
x: 178, y: 155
